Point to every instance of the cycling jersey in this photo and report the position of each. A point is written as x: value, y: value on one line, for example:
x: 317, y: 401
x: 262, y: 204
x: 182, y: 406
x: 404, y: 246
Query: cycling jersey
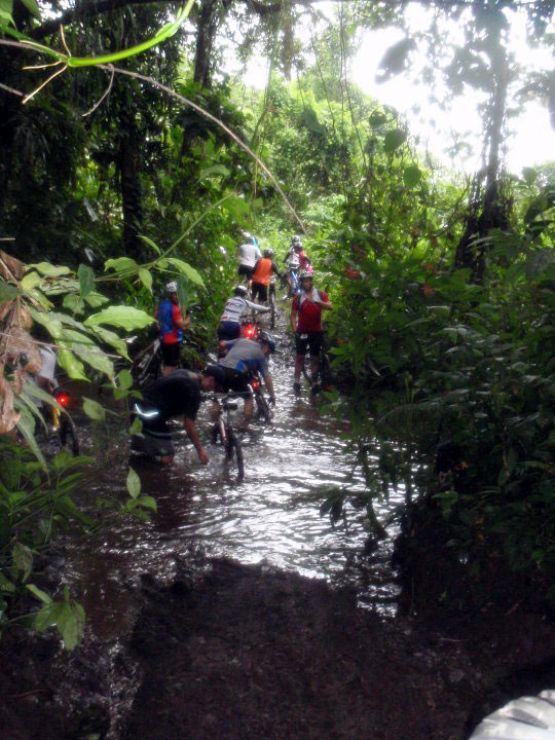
x: 245, y: 356
x: 236, y: 306
x: 168, y: 315
x: 309, y: 310
x: 263, y: 272
x: 293, y: 260
x: 177, y: 394
x: 248, y: 255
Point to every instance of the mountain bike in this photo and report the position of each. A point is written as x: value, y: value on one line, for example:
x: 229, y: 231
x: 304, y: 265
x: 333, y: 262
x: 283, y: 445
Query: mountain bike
x: 324, y: 380
x: 263, y: 410
x: 223, y: 431
x: 147, y: 365
x: 59, y: 429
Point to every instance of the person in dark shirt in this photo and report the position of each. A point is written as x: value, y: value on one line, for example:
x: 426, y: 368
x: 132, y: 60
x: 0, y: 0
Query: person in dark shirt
x: 178, y: 394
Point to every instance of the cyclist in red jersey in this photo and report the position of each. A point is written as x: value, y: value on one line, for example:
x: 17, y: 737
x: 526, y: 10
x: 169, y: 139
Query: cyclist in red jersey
x: 306, y: 322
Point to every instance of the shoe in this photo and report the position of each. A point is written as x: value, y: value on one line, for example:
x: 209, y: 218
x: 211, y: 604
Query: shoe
x: 316, y: 388
x: 297, y: 388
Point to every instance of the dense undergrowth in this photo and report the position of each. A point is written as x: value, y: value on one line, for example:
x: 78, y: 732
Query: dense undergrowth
x: 448, y: 358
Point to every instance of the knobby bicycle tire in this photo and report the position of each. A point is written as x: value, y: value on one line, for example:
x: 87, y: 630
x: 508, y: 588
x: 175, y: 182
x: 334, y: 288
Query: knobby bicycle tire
x: 233, y: 445
x: 68, y: 435
x: 263, y: 409
x: 272, y: 310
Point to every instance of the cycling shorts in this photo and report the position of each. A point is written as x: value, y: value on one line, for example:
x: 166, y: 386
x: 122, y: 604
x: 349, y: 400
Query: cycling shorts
x: 311, y: 340
x: 228, y: 330
x: 259, y: 291
x: 245, y: 270
x: 170, y: 354
x: 237, y: 382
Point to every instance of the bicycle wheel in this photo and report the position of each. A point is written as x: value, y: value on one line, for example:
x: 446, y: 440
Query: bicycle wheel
x: 272, y: 308
x: 325, y: 371
x: 68, y: 435
x: 233, y: 449
x: 262, y: 408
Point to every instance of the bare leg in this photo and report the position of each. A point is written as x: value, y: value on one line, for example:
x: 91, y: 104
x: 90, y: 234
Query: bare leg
x: 248, y: 411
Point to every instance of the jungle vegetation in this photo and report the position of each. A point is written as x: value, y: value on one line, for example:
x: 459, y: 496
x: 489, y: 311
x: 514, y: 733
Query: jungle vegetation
x: 117, y: 171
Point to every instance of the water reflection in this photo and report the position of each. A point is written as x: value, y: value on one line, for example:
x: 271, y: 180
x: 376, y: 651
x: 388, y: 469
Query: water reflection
x: 273, y: 516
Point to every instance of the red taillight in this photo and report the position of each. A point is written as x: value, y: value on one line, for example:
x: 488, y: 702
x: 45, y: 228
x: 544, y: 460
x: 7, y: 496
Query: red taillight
x: 255, y: 385
x: 63, y: 399
x: 249, y: 331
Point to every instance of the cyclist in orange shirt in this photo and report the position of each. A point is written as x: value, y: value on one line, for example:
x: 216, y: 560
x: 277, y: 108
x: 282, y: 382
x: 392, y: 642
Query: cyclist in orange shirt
x: 262, y: 276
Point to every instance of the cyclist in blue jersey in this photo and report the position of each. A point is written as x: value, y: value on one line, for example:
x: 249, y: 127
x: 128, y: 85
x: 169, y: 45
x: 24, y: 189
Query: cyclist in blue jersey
x: 243, y: 359
x: 172, y: 325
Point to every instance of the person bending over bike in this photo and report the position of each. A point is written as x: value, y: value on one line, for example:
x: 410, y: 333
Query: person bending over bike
x: 262, y: 276
x: 243, y: 359
x: 249, y: 254
x: 235, y: 308
x: 178, y: 394
x: 172, y: 325
x: 306, y: 322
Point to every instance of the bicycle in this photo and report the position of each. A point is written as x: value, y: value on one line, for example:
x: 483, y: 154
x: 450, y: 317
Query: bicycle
x: 262, y: 406
x: 324, y: 378
x: 147, y: 365
x: 59, y: 425
x: 223, y: 430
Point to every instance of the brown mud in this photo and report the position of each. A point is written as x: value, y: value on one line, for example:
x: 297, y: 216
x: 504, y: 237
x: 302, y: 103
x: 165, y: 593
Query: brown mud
x: 253, y: 652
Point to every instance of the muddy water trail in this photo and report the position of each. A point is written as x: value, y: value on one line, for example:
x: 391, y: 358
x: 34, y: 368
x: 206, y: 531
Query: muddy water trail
x: 272, y: 516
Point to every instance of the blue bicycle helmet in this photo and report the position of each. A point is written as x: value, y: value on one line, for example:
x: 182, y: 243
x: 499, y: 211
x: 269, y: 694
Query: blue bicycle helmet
x: 266, y: 338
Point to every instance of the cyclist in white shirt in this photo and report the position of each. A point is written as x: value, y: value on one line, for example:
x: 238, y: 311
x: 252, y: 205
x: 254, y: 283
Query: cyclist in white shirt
x: 234, y: 310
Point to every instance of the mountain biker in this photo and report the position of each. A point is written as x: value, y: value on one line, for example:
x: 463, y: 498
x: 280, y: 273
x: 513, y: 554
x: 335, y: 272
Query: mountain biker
x: 249, y: 254
x: 178, y: 394
x: 262, y: 275
x: 230, y: 321
x: 172, y: 325
x: 296, y: 260
x: 243, y: 358
x: 306, y: 322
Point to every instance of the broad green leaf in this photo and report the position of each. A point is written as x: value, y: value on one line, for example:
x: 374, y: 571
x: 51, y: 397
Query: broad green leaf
x: 412, y: 176
x: 26, y: 427
x: 125, y: 380
x: 136, y: 426
x: 215, y: 170
x: 73, y: 367
x: 150, y: 243
x: 50, y: 322
x: 148, y: 502
x: 111, y: 338
x: 86, y: 280
x: 77, y: 337
x: 7, y: 292
x: 22, y: 559
x: 67, y: 616
x: 32, y: 7
x: 125, y: 317
x: 94, y: 410
x: 146, y: 278
x: 41, y: 595
x: 30, y: 281
x: 95, y: 300
x: 394, y: 139
x: 94, y: 357
x: 73, y: 303
x: 186, y: 270
x: 6, y: 585
x: 124, y: 265
x: 133, y: 484
x: 49, y: 270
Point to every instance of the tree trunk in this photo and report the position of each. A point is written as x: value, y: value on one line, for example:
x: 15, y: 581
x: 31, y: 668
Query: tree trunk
x: 129, y: 162
x: 488, y: 206
x: 208, y: 20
